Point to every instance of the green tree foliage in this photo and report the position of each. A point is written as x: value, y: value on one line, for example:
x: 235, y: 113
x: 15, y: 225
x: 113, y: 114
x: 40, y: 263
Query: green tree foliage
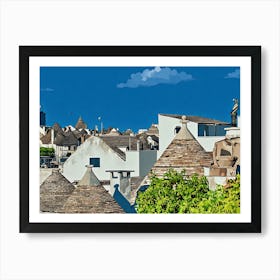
x: 46, y: 152
x: 178, y: 193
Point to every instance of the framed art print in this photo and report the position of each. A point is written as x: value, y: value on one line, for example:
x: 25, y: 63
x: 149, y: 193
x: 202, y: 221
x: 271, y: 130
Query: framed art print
x: 140, y: 138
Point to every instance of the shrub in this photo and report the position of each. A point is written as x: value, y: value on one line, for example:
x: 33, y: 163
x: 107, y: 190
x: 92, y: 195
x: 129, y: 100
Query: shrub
x: 178, y: 193
x: 47, y: 152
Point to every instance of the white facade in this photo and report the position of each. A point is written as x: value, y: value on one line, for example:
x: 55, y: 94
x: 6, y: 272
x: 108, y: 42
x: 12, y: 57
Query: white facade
x: 232, y: 132
x: 167, y: 131
x: 140, y: 161
x: 44, y: 174
x: 94, y: 147
x: 42, y: 130
x: 60, y: 151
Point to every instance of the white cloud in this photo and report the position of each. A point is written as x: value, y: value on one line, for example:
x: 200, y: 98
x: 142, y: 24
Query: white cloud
x: 155, y: 76
x: 46, y: 89
x: 233, y: 75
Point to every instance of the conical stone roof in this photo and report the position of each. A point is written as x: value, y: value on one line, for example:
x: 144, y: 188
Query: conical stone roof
x: 113, y: 132
x: 183, y: 153
x: 88, y: 197
x: 89, y: 178
x: 54, y: 192
x: 153, y: 130
x: 57, y: 128
x: 80, y: 124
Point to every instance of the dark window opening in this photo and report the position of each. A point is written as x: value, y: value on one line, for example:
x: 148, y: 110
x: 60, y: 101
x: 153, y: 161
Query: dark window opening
x: 238, y: 169
x: 95, y: 162
x: 225, y: 153
x: 177, y: 129
x: 212, y: 130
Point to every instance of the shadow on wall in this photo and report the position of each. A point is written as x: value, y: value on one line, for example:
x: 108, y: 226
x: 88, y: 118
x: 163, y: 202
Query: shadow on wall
x: 122, y: 201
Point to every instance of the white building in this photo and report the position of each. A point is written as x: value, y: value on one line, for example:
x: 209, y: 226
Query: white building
x: 110, y: 153
x: 206, y: 131
x: 65, y: 140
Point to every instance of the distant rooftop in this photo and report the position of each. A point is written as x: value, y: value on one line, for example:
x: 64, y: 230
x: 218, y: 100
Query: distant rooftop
x: 124, y: 141
x: 196, y: 119
x: 80, y: 124
x: 68, y: 137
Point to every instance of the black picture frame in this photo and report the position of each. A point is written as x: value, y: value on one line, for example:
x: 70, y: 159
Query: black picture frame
x: 254, y: 52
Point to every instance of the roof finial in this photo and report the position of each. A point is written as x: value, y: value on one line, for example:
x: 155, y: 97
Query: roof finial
x: 184, y: 133
x: 184, y: 119
x: 233, y: 112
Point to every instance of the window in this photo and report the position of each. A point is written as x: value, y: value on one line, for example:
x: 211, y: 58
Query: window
x: 177, y: 129
x: 212, y: 129
x: 95, y: 162
x: 238, y: 169
x: 225, y: 153
x: 203, y: 130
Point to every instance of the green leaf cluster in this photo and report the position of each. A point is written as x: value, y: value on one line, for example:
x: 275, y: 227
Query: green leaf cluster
x: 47, y: 152
x: 178, y: 193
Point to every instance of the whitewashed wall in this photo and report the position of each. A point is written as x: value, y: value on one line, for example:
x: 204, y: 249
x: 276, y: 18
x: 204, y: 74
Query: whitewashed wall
x: 167, y: 127
x: 147, y: 159
x: 42, y: 130
x: 138, y: 161
x: 44, y: 174
x: 132, y: 162
x: 48, y: 145
x: 74, y: 166
x: 208, y: 142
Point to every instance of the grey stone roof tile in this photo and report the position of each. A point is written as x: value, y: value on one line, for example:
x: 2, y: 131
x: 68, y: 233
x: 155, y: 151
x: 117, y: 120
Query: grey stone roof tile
x: 54, y: 192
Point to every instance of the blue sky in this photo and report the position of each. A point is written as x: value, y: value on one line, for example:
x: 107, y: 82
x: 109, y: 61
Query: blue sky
x: 132, y: 97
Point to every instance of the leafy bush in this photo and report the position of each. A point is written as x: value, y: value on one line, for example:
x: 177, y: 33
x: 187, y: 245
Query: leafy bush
x: 178, y: 193
x: 47, y: 152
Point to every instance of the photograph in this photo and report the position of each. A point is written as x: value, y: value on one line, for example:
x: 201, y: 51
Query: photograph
x: 142, y: 131
x: 140, y: 139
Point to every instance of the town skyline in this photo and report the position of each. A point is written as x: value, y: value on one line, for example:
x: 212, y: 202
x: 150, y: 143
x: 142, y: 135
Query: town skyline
x: 132, y: 97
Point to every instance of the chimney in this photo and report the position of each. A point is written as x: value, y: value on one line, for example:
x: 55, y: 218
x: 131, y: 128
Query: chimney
x: 52, y: 136
x: 125, y: 184
x: 114, y: 180
x: 138, y: 145
x: 123, y: 180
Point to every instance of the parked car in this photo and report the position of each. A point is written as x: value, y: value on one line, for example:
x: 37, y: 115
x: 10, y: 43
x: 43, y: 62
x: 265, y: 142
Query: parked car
x: 48, y: 162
